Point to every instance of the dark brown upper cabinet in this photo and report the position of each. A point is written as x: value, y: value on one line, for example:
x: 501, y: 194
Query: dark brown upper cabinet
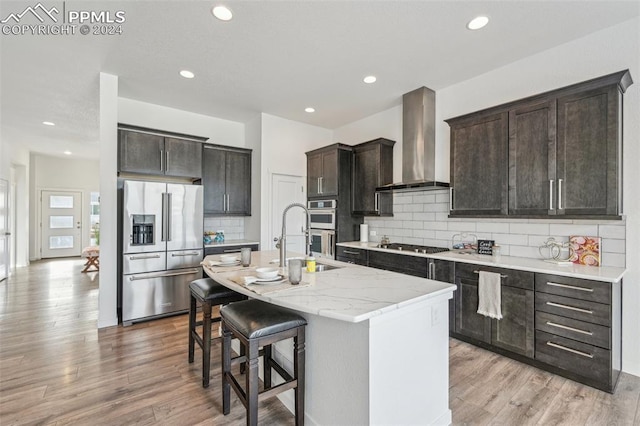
x: 532, y: 159
x: 372, y: 167
x: 479, y: 165
x: 564, y: 154
x: 322, y: 173
x: 226, y: 178
x: 153, y: 152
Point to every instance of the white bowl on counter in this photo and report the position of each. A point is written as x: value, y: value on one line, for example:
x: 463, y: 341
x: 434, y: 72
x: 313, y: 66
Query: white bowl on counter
x: 266, y: 273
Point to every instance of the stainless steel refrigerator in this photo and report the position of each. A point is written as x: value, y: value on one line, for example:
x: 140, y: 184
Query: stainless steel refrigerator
x: 162, y: 228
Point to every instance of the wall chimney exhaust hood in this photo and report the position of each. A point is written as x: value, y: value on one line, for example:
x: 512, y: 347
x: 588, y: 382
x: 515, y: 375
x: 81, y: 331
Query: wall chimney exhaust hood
x: 418, y: 144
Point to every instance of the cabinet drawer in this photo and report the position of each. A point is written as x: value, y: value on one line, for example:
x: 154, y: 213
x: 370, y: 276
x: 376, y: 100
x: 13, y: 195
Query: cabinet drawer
x: 582, y: 310
x: 404, y: 264
x: 579, y: 358
x: 352, y: 255
x: 586, y: 332
x: 510, y: 277
x: 184, y: 259
x: 577, y: 288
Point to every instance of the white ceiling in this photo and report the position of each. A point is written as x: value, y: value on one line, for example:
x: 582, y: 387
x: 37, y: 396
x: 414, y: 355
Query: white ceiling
x: 276, y: 57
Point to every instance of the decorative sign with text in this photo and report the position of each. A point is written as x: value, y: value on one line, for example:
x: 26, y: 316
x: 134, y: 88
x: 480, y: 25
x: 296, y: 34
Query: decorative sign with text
x: 485, y: 246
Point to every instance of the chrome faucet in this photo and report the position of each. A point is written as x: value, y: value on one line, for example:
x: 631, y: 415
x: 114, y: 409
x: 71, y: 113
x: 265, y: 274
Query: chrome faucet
x: 282, y: 241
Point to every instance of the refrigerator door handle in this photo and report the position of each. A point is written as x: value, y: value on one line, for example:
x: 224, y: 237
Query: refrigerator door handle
x: 154, y: 256
x: 163, y: 225
x: 161, y: 275
x: 168, y: 215
x: 193, y: 253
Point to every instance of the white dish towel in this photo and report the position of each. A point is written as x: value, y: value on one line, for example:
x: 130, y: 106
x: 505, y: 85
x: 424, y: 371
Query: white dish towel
x: 489, y: 300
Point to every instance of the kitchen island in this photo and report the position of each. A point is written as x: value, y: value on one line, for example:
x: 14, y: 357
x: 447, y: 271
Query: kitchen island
x: 376, y: 347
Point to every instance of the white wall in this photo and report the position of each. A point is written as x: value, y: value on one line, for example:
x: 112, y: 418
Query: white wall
x: 253, y: 140
x: 614, y: 49
x: 108, y: 296
x: 14, y: 167
x: 284, y: 143
x: 67, y: 174
x: 218, y: 130
x: 385, y: 124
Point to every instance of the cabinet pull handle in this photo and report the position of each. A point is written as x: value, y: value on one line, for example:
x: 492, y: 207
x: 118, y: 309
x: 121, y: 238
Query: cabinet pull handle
x: 357, y: 253
x: 559, y: 194
x: 501, y: 275
x: 228, y: 202
x: 318, y: 184
x: 572, y: 308
x: 166, y: 161
x: 224, y: 202
x: 232, y: 251
x: 572, y: 287
x: 550, y: 194
x: 577, y: 330
x: 432, y: 271
x: 450, y: 198
x: 564, y: 348
x: 376, y: 202
x: 321, y: 185
x: 161, y: 160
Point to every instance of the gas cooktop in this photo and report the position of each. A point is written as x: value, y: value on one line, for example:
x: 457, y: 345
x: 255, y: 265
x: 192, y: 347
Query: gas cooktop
x: 412, y: 247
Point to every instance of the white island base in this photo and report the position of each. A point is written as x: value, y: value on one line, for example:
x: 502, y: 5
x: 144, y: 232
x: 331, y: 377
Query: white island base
x: 392, y: 369
x: 377, y: 343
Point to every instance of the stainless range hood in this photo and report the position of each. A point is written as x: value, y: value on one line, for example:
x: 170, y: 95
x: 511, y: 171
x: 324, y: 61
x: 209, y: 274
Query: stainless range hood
x: 418, y: 143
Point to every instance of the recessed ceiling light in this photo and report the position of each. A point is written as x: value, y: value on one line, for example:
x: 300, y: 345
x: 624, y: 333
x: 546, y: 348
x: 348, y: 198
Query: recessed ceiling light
x: 48, y: 123
x: 309, y: 109
x: 187, y: 74
x: 478, y: 22
x: 370, y: 79
x: 223, y: 13
x: 67, y: 152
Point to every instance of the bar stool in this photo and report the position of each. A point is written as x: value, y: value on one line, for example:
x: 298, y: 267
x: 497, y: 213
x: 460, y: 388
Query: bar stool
x: 208, y: 293
x: 255, y: 323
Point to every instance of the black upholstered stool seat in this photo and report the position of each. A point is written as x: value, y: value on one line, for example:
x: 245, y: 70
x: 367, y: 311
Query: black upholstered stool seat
x: 255, y: 318
x: 208, y: 293
x: 259, y: 324
x: 208, y: 289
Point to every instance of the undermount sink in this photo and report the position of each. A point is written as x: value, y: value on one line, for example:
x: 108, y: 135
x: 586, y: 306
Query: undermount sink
x: 321, y: 267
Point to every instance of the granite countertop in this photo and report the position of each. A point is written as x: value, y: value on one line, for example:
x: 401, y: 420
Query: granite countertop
x: 603, y: 273
x: 232, y: 243
x: 350, y: 293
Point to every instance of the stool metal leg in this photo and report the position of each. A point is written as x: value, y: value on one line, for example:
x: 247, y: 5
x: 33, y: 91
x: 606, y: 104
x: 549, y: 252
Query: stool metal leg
x: 226, y: 369
x: 206, y: 343
x: 192, y: 327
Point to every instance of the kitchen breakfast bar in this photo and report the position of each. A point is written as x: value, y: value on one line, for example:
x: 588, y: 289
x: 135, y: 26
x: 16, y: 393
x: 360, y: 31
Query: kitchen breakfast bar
x: 376, y: 341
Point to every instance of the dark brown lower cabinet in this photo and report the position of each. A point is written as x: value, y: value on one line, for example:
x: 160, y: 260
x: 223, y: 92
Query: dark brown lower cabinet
x: 578, y: 329
x: 515, y: 331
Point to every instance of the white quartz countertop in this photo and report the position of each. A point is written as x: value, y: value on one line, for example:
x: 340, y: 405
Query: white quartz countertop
x: 350, y: 293
x: 603, y: 273
x: 228, y: 243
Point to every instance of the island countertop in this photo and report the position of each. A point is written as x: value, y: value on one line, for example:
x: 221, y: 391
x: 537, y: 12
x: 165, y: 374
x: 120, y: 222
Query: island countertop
x: 349, y: 293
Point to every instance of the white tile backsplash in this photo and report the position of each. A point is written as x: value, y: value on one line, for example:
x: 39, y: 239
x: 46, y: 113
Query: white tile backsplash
x: 422, y: 218
x: 233, y: 227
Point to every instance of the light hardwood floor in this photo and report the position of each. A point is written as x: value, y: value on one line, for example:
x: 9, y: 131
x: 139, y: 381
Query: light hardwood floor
x: 56, y: 368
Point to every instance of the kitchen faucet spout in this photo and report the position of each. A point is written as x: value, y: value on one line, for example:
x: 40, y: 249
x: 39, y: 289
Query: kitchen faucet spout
x: 282, y: 242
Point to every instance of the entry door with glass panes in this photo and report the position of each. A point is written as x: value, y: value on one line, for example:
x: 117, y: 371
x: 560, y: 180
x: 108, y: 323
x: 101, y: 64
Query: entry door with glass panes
x: 61, y: 223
